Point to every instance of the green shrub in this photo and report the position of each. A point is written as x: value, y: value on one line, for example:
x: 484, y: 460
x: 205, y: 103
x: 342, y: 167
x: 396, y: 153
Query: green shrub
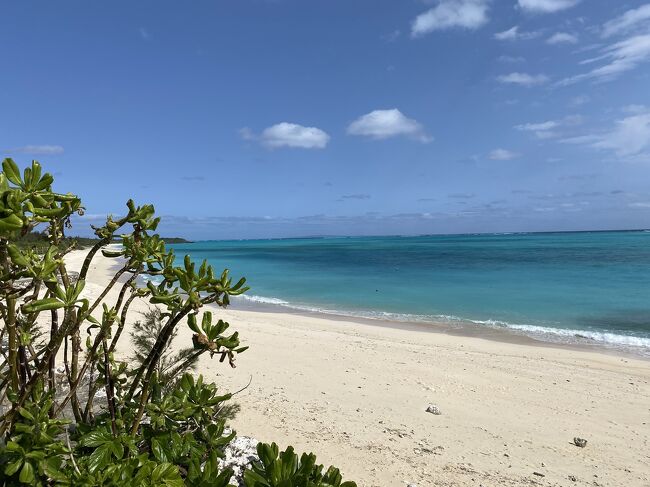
x: 284, y: 469
x: 71, y: 413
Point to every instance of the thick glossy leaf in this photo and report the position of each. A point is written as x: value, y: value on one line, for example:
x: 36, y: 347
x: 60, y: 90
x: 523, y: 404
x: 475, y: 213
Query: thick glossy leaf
x: 43, y: 305
x: 99, y: 459
x: 11, y: 171
x: 13, y: 467
x: 27, y: 473
x: 11, y: 223
x: 158, y: 450
x: 17, y: 256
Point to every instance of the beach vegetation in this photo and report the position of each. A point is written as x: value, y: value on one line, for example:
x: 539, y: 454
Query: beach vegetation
x: 279, y: 469
x: 71, y: 411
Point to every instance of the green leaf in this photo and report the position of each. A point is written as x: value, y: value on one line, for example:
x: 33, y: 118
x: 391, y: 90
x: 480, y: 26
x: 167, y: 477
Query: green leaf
x: 11, y: 223
x: 17, y: 256
x: 27, y: 474
x: 43, y: 305
x: 36, y: 173
x: 51, y: 469
x: 117, y: 448
x: 13, y: 467
x: 253, y: 479
x: 26, y: 414
x: 158, y: 451
x: 45, y: 182
x: 99, y: 459
x: 96, y: 438
x: 4, y: 185
x: 11, y: 171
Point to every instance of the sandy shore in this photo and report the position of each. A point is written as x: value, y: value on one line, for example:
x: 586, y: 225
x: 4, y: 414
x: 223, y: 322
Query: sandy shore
x: 356, y: 394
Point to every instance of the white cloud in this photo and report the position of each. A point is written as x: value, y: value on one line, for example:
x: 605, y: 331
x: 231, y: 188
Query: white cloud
x: 47, y: 150
x: 513, y: 34
x: 562, y: 38
x: 289, y: 135
x: 619, y: 57
x: 448, y: 14
x: 548, y: 129
x: 579, y: 100
x: 382, y: 124
x: 629, y: 137
x: 523, y: 79
x: 628, y: 21
x: 547, y: 6
x: 543, y: 130
x: 502, y: 155
x: 635, y: 109
x: 507, y: 35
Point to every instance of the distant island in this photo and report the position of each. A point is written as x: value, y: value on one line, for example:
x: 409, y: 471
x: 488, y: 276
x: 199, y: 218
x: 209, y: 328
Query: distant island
x: 39, y: 241
x: 175, y: 240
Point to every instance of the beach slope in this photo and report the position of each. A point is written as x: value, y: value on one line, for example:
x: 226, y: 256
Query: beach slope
x: 356, y: 393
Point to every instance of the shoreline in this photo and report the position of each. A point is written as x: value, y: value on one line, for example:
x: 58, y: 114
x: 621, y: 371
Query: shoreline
x: 460, y: 328
x: 355, y: 392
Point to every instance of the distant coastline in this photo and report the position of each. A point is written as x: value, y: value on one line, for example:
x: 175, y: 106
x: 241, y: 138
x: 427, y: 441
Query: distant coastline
x: 464, y: 234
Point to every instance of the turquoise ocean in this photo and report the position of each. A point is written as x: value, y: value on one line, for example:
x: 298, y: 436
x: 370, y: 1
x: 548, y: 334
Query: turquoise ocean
x: 571, y: 287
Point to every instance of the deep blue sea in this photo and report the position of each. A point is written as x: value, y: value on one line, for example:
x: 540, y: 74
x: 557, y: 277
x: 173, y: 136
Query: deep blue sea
x: 590, y: 286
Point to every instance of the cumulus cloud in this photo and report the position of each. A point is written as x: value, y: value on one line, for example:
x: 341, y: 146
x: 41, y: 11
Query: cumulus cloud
x: 448, y: 14
x: 503, y: 155
x: 629, y: 21
x: 514, y: 34
x: 286, y: 134
x: 562, y: 38
x: 630, y: 136
x: 546, y: 6
x: 618, y: 58
x: 523, y: 79
x: 48, y: 150
x: 382, y: 124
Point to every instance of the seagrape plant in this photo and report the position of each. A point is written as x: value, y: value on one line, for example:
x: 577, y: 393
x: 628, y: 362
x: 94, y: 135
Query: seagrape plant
x: 72, y: 412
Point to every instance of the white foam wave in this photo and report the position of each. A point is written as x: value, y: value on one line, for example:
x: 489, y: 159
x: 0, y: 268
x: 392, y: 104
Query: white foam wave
x: 597, y: 336
x: 264, y: 300
x: 542, y: 332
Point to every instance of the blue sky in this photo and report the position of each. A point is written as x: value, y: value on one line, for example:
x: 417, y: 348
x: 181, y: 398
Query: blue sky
x: 286, y: 118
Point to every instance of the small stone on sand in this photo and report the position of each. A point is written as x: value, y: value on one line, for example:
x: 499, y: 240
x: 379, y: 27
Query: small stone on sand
x: 433, y: 410
x: 579, y: 442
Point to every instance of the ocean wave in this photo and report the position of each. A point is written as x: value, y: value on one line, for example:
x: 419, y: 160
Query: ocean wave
x: 263, y: 300
x: 597, y: 336
x: 545, y: 333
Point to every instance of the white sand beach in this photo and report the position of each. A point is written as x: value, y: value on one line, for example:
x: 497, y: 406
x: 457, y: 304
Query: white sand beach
x: 356, y: 393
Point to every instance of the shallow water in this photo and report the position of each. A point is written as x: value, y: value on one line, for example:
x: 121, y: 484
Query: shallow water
x: 552, y: 285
